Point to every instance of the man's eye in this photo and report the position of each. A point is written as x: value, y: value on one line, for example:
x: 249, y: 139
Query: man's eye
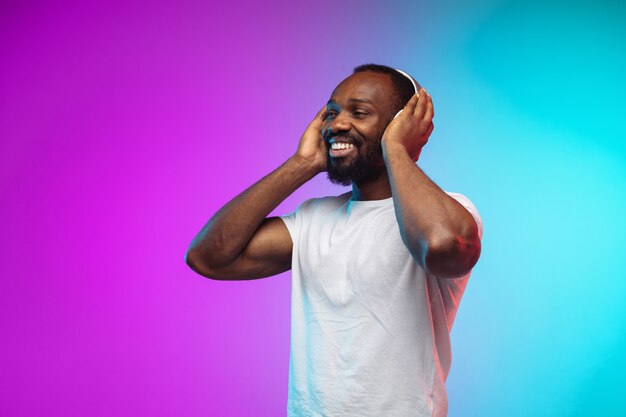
x: 330, y: 114
x: 360, y: 114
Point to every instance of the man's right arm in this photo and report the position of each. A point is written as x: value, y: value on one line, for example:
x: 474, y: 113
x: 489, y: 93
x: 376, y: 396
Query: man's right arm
x: 239, y: 241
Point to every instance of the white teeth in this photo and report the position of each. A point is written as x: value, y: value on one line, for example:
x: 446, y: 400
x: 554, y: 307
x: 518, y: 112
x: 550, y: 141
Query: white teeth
x: 340, y: 145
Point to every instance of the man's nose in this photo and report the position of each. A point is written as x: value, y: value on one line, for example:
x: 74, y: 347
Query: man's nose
x: 340, y: 123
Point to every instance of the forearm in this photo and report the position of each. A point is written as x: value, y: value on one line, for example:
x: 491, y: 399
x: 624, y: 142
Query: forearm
x: 228, y: 232
x: 439, y: 232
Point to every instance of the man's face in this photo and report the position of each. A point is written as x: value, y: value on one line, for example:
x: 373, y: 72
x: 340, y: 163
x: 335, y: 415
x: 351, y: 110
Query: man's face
x: 358, y: 112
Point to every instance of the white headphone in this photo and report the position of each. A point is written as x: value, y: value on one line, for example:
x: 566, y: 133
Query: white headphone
x: 412, y: 82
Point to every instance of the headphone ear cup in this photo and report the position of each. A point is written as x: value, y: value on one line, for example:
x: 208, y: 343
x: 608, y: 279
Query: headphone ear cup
x: 415, y: 87
x: 410, y: 79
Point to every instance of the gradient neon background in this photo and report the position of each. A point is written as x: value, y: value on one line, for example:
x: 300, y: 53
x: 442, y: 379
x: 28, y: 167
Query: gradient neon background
x: 125, y: 125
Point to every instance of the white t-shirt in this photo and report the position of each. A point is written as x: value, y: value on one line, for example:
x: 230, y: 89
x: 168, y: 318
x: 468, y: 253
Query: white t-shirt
x: 370, y: 330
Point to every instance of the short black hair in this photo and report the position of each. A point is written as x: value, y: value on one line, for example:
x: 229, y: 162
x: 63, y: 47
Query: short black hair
x: 403, y: 86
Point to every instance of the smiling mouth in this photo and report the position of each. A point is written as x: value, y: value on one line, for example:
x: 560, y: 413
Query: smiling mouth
x: 340, y: 149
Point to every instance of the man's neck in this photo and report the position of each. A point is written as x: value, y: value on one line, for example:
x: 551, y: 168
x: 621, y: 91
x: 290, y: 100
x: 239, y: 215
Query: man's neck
x: 374, y: 189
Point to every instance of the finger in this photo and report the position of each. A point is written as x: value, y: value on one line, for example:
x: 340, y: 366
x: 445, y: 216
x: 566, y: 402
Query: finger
x: 318, y: 122
x: 319, y: 119
x: 420, y: 108
x: 430, y: 110
x: 410, y: 105
x: 321, y: 114
x: 429, y: 131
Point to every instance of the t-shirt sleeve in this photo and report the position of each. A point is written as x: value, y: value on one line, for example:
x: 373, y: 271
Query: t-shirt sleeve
x: 471, y: 208
x: 293, y: 220
x: 290, y: 221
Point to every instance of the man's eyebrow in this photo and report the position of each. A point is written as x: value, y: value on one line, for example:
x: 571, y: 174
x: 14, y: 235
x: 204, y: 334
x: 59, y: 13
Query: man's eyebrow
x: 354, y: 100
x: 361, y: 100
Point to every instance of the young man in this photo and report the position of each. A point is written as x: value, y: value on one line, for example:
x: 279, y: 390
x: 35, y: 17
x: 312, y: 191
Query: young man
x: 378, y: 272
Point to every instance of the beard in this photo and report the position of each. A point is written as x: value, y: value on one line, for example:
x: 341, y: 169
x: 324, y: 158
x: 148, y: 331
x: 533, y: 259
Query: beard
x: 360, y: 168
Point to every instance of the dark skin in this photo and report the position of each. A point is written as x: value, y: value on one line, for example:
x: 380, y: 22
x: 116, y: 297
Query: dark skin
x: 241, y: 242
x: 361, y: 106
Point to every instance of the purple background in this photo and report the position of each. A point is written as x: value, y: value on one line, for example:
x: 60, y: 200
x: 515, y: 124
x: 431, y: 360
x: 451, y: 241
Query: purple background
x: 126, y: 125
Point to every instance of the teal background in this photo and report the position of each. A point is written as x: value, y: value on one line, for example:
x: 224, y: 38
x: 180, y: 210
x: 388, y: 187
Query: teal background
x: 532, y: 128
x: 125, y: 125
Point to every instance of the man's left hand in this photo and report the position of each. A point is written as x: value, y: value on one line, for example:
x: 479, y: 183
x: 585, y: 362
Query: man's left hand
x: 413, y: 126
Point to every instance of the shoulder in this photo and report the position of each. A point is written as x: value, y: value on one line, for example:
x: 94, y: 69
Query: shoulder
x: 317, y: 206
x: 324, y: 204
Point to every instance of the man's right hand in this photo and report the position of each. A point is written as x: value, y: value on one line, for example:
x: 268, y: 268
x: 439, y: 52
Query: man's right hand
x: 312, y: 149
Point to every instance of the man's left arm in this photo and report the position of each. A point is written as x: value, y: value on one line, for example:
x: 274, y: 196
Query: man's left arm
x: 439, y: 232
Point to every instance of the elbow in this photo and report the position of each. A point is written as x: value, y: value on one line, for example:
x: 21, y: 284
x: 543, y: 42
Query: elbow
x: 192, y: 259
x: 201, y: 264
x: 452, y: 256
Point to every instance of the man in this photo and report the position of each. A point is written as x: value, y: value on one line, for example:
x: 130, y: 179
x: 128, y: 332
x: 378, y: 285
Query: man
x: 378, y: 272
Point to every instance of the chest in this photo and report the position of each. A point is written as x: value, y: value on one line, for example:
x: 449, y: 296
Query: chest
x: 346, y: 258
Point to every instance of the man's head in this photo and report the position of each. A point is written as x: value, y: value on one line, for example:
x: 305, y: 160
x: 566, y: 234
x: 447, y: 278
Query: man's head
x: 403, y: 87
x: 358, y: 112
